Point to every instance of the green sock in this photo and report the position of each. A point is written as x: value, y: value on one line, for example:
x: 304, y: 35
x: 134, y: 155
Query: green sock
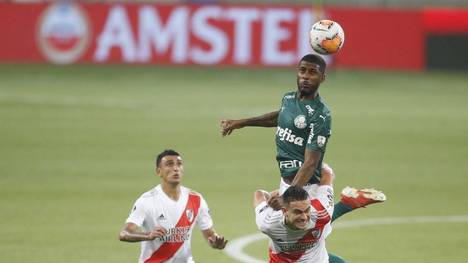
x: 335, y: 259
x: 340, y: 209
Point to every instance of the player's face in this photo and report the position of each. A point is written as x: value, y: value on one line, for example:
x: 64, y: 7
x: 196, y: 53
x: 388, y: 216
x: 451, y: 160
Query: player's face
x: 171, y: 169
x: 309, y: 78
x: 297, y: 214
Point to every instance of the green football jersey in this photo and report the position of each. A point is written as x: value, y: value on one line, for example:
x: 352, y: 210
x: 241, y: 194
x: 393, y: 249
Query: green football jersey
x: 302, y: 125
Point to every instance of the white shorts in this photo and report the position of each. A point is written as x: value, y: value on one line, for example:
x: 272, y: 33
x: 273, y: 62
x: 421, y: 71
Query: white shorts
x: 310, y: 188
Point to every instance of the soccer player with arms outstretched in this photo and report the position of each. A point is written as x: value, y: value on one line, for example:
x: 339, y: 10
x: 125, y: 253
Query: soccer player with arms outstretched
x: 303, y: 125
x: 163, y: 218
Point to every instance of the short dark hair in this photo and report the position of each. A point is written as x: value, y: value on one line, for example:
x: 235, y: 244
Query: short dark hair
x: 295, y: 193
x: 167, y: 152
x: 315, y: 59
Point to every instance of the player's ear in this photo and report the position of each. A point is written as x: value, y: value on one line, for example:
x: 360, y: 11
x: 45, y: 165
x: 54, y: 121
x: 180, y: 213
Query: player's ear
x: 322, y: 79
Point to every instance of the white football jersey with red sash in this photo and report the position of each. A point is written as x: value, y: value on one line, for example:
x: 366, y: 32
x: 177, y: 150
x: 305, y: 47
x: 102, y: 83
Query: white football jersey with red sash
x: 154, y: 208
x: 289, y: 245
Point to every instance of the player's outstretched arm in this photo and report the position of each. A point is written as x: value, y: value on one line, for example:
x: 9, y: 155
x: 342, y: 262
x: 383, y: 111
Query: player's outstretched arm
x: 132, y: 233
x: 214, y: 240
x: 265, y: 120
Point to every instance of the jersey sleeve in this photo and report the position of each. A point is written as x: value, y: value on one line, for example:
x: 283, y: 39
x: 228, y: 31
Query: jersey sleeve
x: 264, y: 216
x: 324, y: 199
x: 204, y: 220
x: 320, y: 131
x: 138, y: 213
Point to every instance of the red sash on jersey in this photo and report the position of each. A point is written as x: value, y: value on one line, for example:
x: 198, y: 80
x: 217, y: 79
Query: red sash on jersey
x: 168, y: 249
x: 322, y: 219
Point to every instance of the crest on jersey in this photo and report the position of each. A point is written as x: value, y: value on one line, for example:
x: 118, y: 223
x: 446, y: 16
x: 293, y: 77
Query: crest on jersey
x: 321, y: 140
x: 316, y: 233
x: 189, y: 214
x: 300, y: 122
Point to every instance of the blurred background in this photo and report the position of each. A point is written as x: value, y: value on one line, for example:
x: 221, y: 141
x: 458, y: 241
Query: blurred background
x: 92, y: 91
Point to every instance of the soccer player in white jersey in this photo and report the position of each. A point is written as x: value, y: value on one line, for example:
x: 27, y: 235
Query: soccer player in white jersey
x: 163, y: 218
x: 298, y: 231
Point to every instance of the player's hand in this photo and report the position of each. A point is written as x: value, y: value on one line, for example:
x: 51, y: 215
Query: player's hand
x: 227, y: 126
x: 158, y: 232
x: 217, y: 242
x: 275, y: 200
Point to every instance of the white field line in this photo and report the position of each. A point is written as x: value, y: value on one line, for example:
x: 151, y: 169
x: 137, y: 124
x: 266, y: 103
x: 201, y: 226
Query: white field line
x: 235, y: 248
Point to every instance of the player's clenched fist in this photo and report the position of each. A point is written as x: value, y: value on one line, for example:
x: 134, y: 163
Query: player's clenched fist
x: 158, y: 232
x: 227, y: 126
x: 275, y: 200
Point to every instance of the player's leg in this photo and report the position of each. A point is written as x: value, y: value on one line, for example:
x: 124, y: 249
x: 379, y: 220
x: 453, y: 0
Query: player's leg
x: 332, y: 258
x: 352, y: 198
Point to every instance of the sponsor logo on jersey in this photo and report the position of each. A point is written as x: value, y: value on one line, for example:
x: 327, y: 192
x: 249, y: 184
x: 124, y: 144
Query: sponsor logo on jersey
x: 321, y: 140
x: 309, y: 110
x: 63, y: 33
x: 300, y: 246
x: 288, y: 97
x: 176, y: 235
x: 287, y: 135
x: 300, y: 122
x: 290, y: 164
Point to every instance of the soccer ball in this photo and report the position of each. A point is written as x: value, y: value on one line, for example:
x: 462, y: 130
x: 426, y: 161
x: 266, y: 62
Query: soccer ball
x: 326, y: 37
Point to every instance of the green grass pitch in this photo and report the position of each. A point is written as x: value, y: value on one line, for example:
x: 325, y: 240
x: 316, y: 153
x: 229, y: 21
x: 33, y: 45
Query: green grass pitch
x: 77, y: 145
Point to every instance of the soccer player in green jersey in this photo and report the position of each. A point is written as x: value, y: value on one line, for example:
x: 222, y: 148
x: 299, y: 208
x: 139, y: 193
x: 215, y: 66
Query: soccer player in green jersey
x: 303, y: 129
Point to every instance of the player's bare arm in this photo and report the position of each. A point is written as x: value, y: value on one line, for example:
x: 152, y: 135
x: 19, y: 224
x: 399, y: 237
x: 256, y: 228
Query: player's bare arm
x: 327, y: 175
x: 214, y: 240
x: 132, y: 233
x: 311, y: 159
x: 260, y: 196
x: 265, y: 120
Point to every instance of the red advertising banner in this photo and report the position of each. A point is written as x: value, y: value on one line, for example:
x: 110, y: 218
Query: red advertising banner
x: 445, y: 20
x: 162, y: 34
x: 239, y: 35
x: 381, y: 38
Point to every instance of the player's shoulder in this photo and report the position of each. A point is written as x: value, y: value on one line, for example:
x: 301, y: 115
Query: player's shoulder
x: 151, y: 193
x: 289, y: 95
x: 191, y: 191
x: 271, y: 220
x: 147, y: 198
x: 269, y: 215
x: 322, y: 110
x: 323, y: 106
